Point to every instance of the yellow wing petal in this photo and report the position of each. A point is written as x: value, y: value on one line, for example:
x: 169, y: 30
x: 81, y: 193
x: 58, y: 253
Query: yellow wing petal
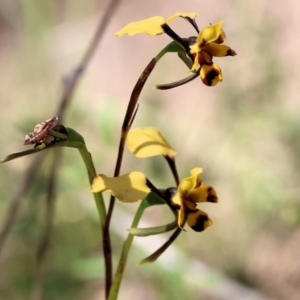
x: 147, y: 142
x: 204, y: 193
x: 215, y: 49
x: 151, y: 26
x: 130, y: 187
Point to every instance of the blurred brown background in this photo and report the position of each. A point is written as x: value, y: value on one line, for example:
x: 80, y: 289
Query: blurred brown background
x: 244, y: 133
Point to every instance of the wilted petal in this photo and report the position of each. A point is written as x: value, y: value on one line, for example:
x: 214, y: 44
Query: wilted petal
x: 198, y: 220
x: 210, y: 34
x: 147, y: 142
x: 151, y: 26
x: 215, y: 49
x: 191, y: 15
x: 130, y: 187
x: 210, y: 74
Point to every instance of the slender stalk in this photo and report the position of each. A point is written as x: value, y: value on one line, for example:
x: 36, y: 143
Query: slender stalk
x: 128, y: 119
x: 154, y: 256
x: 113, y: 293
x: 87, y: 158
x: 172, y: 165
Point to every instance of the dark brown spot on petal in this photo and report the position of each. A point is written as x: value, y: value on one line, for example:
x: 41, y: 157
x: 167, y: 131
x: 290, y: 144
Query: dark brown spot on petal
x: 230, y: 52
x: 210, y: 76
x: 200, y: 223
x: 202, y: 44
x: 212, y: 198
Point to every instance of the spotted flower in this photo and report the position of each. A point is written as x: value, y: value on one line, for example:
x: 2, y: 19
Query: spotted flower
x: 196, y: 51
x: 135, y: 186
x: 209, y: 44
x: 190, y: 192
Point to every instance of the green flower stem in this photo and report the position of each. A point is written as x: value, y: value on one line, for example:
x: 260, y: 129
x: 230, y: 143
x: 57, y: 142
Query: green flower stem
x: 153, y: 230
x: 86, y: 157
x: 113, y: 294
x: 171, y: 47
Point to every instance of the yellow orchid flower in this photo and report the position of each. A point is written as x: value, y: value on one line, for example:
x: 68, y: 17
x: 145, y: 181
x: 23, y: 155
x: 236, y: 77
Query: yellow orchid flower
x: 209, y: 44
x: 151, y: 26
x: 136, y: 186
x: 190, y: 192
x: 194, y: 51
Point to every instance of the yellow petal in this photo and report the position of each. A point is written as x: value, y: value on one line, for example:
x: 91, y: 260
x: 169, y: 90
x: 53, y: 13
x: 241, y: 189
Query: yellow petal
x: 215, y: 49
x: 191, y: 15
x: 204, y: 193
x: 176, y: 199
x: 147, y: 142
x: 188, y: 184
x: 198, y: 220
x: 130, y: 187
x: 196, y: 171
x: 181, y: 218
x: 210, y: 34
x: 194, y: 49
x: 210, y: 74
x: 196, y: 62
x: 151, y: 26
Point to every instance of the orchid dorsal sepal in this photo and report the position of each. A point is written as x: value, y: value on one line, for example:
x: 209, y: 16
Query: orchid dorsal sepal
x: 147, y: 142
x: 153, y: 230
x: 75, y: 140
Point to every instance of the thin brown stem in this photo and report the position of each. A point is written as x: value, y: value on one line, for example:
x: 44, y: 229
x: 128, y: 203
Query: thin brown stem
x: 128, y: 120
x: 172, y: 165
x: 154, y: 256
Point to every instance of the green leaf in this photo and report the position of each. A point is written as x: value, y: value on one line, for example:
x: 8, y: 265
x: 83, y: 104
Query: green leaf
x: 171, y: 47
x: 75, y: 140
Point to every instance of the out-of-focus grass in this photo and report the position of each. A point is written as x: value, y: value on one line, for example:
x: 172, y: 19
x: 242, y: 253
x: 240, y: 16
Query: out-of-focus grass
x: 244, y: 132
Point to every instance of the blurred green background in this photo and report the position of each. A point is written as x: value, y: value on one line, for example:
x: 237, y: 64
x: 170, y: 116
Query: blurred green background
x: 244, y: 133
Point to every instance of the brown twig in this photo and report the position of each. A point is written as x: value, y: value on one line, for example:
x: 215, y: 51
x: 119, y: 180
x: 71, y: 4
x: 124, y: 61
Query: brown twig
x: 69, y: 85
x: 14, y: 204
x: 37, y: 290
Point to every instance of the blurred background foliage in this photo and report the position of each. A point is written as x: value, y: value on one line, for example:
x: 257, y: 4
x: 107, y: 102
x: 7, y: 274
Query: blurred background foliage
x: 243, y: 132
